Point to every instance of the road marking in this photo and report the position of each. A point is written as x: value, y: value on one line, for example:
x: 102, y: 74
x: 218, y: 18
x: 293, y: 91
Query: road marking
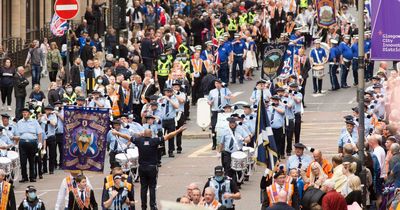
x: 202, y: 150
x: 236, y: 94
x: 41, y: 194
x: 66, y: 7
x: 51, y: 190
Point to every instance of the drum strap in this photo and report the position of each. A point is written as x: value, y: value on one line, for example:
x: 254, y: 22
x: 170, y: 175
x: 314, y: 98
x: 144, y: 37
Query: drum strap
x: 317, y: 56
x: 349, y: 137
x: 233, y: 141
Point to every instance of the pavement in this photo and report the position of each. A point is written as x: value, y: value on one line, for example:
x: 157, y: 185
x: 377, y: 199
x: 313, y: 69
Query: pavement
x: 322, y: 121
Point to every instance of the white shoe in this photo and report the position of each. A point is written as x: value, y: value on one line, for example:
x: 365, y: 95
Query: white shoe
x: 3, y: 107
x: 9, y: 108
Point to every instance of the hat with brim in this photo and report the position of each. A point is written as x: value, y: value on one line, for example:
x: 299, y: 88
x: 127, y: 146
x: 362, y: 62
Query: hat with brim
x: 49, y: 107
x: 246, y: 106
x: 299, y: 145
x: 154, y: 103
x: 150, y: 117
x: 197, y: 47
x: 334, y: 41
x: 30, y: 189
x: 279, y: 89
x: 218, y: 170
x: 25, y: 109
x: 176, y: 83
x: 221, y: 38
x: 378, y: 85
x: 116, y: 122
x: 293, y: 84
x: 348, y: 117
x: 351, y: 122
x: 5, y: 115
x: 209, y: 43
x: 153, y: 97
x: 231, y: 119
x: 57, y: 102
x: 167, y: 89
x: 95, y: 92
x: 227, y: 106
x: 261, y: 82
x: 317, y: 41
x: 275, y: 97
x: 80, y: 98
x: 376, y: 77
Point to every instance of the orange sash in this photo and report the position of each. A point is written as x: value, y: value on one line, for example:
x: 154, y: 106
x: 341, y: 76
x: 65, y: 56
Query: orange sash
x: 4, y: 195
x: 197, y: 64
x: 126, y: 97
x: 78, y: 200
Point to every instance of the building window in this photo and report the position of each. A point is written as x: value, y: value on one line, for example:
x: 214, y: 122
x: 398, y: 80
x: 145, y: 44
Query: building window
x: 32, y: 19
x: 6, y: 19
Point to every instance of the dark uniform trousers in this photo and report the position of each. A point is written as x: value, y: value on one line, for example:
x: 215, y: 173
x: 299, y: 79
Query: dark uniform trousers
x: 161, y: 82
x: 148, y: 181
x: 178, y: 137
x: 280, y: 140
x: 196, y: 90
x: 355, y: 70
x: 27, y: 152
x: 59, y: 145
x: 237, y: 60
x: 223, y: 73
x: 344, y: 73
x: 214, y: 118
x: 289, y: 135
x: 297, y: 127
x: 161, y: 147
x: 332, y: 75
x: 169, y: 126
x: 51, y: 147
x: 226, y: 163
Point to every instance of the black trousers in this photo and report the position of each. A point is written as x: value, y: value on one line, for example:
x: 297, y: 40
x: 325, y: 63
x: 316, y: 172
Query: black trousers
x: 6, y: 94
x: 113, y: 162
x: 148, y: 181
x: 317, y: 85
x: 19, y: 104
x: 280, y: 140
x: 27, y: 152
x: 161, y: 82
x: 226, y: 163
x: 303, y: 90
x: 51, y: 146
x: 237, y: 60
x: 178, y: 137
x: 59, y: 145
x: 297, y: 127
x: 214, y: 118
x: 161, y: 147
x: 196, y: 90
x: 148, y: 63
x: 344, y: 73
x: 169, y: 126
x: 52, y: 76
x: 289, y: 135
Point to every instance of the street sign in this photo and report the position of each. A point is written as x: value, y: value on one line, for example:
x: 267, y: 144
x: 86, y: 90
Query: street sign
x: 66, y: 9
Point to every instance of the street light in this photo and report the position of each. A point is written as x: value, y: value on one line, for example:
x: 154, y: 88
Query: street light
x: 360, y: 95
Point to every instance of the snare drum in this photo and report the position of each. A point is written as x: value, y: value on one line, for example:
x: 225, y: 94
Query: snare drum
x: 250, y: 154
x: 14, y: 157
x: 318, y: 71
x: 238, y: 161
x: 133, y: 157
x: 5, y: 164
x: 123, y: 161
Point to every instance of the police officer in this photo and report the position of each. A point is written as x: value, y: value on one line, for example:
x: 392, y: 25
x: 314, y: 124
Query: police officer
x: 29, y: 135
x: 297, y: 97
x: 170, y: 105
x: 348, y: 135
x: 276, y: 113
x: 226, y: 190
x: 180, y: 117
x: 347, y: 56
x: 163, y: 68
x: 354, y: 66
x: 232, y: 140
x: 224, y: 56
x: 48, y: 123
x: 116, y: 144
x: 288, y: 103
x: 31, y: 201
x: 148, y: 170
x: 217, y: 98
x: 232, y: 25
x: 219, y: 30
x: 239, y: 54
x: 334, y: 60
x: 317, y: 59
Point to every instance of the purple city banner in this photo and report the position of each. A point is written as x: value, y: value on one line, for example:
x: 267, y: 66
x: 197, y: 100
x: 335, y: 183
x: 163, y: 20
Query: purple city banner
x: 326, y: 13
x: 385, y: 30
x: 85, y: 131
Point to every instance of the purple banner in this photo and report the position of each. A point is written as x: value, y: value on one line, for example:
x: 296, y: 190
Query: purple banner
x: 85, y: 131
x: 326, y: 15
x: 385, y: 30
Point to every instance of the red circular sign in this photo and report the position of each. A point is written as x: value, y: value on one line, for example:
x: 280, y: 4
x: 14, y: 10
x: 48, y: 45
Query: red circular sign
x: 66, y: 9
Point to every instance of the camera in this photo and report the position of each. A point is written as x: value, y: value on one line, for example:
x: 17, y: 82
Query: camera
x: 372, y: 107
x: 281, y: 167
x: 285, y: 102
x: 273, y: 104
x: 9, y: 128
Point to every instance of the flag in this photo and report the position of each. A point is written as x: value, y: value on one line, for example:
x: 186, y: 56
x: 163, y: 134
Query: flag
x: 265, y: 143
x: 58, y: 26
x: 326, y: 14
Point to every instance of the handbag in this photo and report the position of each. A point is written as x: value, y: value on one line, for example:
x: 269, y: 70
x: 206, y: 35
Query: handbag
x: 54, y: 65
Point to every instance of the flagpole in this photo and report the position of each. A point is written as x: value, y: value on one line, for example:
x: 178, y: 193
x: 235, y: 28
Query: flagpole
x: 67, y: 65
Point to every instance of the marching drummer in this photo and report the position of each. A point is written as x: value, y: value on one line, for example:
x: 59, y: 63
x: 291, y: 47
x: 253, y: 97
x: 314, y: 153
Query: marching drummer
x: 218, y: 98
x: 117, y: 144
x: 317, y: 58
x: 5, y: 141
x: 9, y: 129
x: 232, y: 140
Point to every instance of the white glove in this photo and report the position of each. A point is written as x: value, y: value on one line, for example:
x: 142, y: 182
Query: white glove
x: 40, y: 146
x: 266, y: 172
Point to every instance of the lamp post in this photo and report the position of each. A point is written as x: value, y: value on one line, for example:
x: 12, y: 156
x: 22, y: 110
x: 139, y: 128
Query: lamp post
x: 360, y: 95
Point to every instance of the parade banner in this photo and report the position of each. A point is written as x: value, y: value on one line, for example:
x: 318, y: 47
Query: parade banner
x: 326, y: 15
x: 385, y: 32
x: 273, y: 59
x: 85, y: 132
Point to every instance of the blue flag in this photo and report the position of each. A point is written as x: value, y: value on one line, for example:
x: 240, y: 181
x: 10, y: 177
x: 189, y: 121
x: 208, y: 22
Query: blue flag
x: 265, y: 143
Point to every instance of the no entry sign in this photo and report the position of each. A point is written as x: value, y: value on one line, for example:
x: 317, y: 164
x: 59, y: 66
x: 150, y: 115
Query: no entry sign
x: 66, y: 9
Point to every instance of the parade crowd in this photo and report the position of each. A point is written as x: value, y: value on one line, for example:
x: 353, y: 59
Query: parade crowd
x: 174, y: 53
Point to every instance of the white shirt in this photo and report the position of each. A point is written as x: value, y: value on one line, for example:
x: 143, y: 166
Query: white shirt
x: 63, y: 194
x: 379, y: 152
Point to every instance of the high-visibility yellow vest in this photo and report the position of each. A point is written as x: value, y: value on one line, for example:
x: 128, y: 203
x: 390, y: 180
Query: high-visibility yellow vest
x: 170, y: 58
x: 219, y: 32
x: 71, y: 99
x: 183, y: 49
x: 303, y: 3
x: 243, y: 19
x: 163, y: 68
x: 185, y: 66
x: 232, y: 26
x: 251, y: 18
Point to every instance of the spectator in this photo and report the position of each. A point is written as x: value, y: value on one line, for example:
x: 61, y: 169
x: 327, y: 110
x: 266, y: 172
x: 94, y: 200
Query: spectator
x: 332, y: 199
x: 45, y: 48
x: 87, y: 52
x: 20, y: 83
x: 356, y: 194
x: 36, y: 59
x: 7, y: 73
x: 54, y: 61
x: 348, y: 171
x: 53, y: 95
x: 37, y: 94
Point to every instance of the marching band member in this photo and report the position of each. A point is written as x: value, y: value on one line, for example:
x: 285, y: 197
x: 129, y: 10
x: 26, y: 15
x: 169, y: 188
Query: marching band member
x: 197, y: 75
x: 129, y: 123
x: 67, y: 185
x: 217, y: 98
x: 318, y: 58
x: 59, y: 112
x: 82, y: 197
x: 239, y: 54
x: 5, y: 141
x: 347, y: 56
x: 49, y: 125
x: 348, y: 135
x: 9, y: 128
x: 98, y: 101
x: 354, y: 65
x: 276, y: 113
x: 169, y: 104
x: 334, y: 60
x: 297, y: 109
x: 225, y: 189
x: 261, y: 88
x: 31, y: 201
x: 116, y: 144
x: 180, y: 117
x: 288, y: 103
x: 232, y: 140
x: 249, y: 119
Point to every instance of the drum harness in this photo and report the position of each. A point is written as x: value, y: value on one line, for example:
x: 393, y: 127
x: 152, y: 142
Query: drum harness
x: 231, y: 145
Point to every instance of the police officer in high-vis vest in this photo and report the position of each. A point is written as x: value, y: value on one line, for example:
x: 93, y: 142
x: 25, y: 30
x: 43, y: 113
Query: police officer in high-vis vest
x: 31, y: 201
x: 218, y: 30
x: 232, y: 25
x: 251, y: 16
x: 226, y: 190
x: 243, y: 19
x: 163, y: 68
